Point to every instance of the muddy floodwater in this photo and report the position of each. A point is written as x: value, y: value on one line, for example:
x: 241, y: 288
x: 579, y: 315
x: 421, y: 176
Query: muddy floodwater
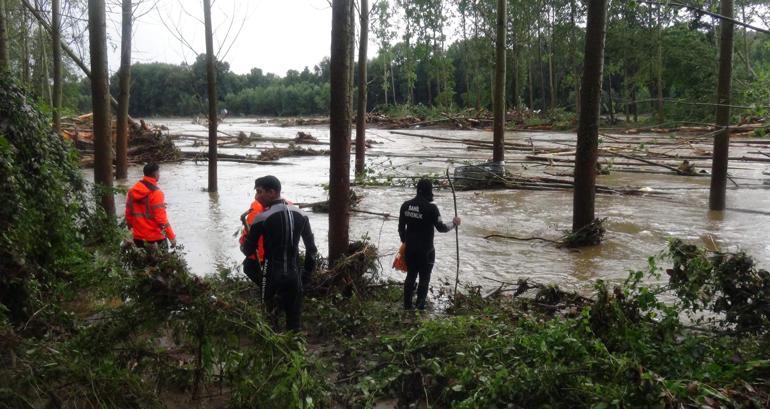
x: 637, y: 226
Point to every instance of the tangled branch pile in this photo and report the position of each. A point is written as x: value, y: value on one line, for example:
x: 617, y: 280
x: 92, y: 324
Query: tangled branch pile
x: 146, y: 143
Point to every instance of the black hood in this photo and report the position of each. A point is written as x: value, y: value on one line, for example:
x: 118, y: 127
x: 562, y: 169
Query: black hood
x: 425, y: 189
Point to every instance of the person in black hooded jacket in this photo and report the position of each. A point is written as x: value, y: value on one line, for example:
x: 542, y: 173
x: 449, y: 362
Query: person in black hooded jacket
x: 416, y: 221
x: 282, y: 225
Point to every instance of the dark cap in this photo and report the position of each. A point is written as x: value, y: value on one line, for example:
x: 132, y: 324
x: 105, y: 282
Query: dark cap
x: 268, y: 182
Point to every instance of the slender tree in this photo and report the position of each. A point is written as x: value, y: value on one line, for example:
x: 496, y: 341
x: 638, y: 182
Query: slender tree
x: 659, y: 69
x: 362, y: 88
x: 121, y: 142
x: 339, y: 129
x: 56, y: 53
x: 722, y: 139
x: 211, y: 75
x: 24, y: 46
x: 42, y: 67
x: 588, y: 126
x: 4, y: 63
x: 498, y: 151
x: 100, y: 98
x: 551, y: 79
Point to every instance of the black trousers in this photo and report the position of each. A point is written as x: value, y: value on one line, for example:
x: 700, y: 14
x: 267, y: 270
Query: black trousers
x: 253, y: 270
x: 418, y: 263
x: 284, y: 293
x: 161, y: 244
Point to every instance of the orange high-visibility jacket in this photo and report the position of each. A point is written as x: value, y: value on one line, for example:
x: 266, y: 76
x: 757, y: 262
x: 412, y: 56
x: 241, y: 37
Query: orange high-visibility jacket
x: 255, y: 209
x: 146, y: 211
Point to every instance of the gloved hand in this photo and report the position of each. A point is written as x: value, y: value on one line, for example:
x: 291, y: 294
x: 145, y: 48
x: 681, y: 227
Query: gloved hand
x: 173, y: 243
x: 310, y: 266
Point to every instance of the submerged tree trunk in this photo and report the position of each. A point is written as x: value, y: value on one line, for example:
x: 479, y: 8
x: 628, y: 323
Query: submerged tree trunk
x: 362, y: 86
x: 498, y: 150
x: 56, y: 53
x: 588, y: 127
x: 717, y: 192
x: 339, y: 129
x: 100, y: 98
x: 4, y: 63
x: 121, y: 142
x: 211, y: 76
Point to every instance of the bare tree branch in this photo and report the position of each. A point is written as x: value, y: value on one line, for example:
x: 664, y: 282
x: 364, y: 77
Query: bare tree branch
x: 176, y: 33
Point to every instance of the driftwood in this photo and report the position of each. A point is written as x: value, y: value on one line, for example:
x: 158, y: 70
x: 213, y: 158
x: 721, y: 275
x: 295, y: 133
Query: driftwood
x: 491, y: 236
x: 203, y: 156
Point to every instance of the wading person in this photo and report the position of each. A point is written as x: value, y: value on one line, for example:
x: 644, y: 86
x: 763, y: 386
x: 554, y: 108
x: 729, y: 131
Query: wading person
x: 416, y: 221
x: 281, y: 225
x: 146, y: 211
x: 252, y: 264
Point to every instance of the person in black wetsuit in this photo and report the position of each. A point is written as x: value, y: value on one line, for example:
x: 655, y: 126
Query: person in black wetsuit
x: 416, y: 221
x: 282, y: 225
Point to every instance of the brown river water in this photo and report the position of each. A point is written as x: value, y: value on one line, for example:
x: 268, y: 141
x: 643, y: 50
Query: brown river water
x: 637, y: 226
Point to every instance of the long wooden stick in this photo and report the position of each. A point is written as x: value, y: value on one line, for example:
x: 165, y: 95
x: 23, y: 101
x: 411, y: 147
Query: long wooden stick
x: 457, y: 232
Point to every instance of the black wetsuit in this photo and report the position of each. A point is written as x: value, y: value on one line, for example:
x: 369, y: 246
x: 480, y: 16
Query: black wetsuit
x: 282, y: 226
x: 416, y: 221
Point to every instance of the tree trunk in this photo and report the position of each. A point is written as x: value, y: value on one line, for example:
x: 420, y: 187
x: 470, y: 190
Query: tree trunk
x: 515, y: 77
x: 498, y: 150
x: 531, y: 84
x: 211, y: 76
x: 362, y: 86
x: 588, y: 127
x: 385, y: 79
x: 551, y: 79
x: 392, y: 82
x: 746, y: 48
x: 351, y: 56
x: 121, y: 143
x: 45, y: 84
x: 541, y: 71
x: 56, y: 52
x: 4, y: 63
x: 573, y: 54
x: 722, y: 139
x: 610, y: 105
x: 659, y: 72
x: 339, y: 130
x: 100, y: 98
x: 24, y: 47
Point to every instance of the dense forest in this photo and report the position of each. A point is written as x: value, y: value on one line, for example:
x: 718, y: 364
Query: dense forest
x: 659, y: 60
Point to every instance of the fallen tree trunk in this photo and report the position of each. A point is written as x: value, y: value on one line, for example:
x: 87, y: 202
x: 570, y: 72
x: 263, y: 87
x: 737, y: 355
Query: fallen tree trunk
x: 202, y: 157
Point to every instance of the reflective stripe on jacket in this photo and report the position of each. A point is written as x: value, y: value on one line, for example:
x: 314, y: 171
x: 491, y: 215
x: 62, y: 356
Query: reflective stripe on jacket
x: 146, y: 211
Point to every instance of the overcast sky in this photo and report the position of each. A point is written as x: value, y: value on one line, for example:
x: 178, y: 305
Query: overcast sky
x: 278, y: 35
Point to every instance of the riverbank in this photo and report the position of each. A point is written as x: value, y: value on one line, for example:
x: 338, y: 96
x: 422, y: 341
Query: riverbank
x: 135, y: 329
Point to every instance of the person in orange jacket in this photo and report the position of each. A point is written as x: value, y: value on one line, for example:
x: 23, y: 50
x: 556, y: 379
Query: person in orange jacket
x: 146, y: 210
x: 252, y: 264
